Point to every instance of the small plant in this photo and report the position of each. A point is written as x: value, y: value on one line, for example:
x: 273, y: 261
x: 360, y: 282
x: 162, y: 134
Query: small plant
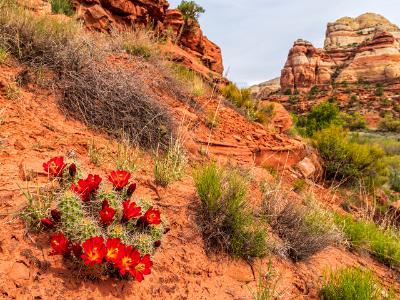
x: 140, y: 43
x: 226, y: 222
x: 61, y: 7
x: 191, y: 79
x: 190, y: 10
x: 353, y: 284
x: 354, y: 121
x: 171, y: 166
x: 379, y: 90
x: 103, y: 231
x: 388, y: 123
x: 299, y: 185
x: 3, y: 55
x: 94, y: 153
x: 12, y: 92
x: 212, y: 120
x: 266, y: 286
x: 127, y: 156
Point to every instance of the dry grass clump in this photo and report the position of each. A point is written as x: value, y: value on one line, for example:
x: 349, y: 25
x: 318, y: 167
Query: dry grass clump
x: 105, y: 96
x: 305, y: 229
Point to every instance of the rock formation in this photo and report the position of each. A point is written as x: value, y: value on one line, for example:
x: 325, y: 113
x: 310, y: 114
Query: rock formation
x: 363, y: 48
x: 108, y: 15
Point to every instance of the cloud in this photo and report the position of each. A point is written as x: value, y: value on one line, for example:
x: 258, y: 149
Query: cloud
x: 256, y: 35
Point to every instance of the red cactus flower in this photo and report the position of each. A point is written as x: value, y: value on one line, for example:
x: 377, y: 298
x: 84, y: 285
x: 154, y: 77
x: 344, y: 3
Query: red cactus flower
x: 86, y: 187
x: 47, y: 222
x: 94, y: 181
x: 131, y: 190
x: 56, y: 215
x: 131, y: 210
x: 55, y: 166
x: 77, y: 250
x: 142, y: 268
x: 82, y: 189
x: 114, y: 250
x: 107, y: 213
x: 94, y: 251
x: 72, y: 170
x: 152, y: 216
x: 129, y: 258
x: 119, y: 179
x: 59, y: 244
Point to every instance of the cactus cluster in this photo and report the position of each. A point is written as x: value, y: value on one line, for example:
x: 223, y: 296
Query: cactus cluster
x: 86, y: 211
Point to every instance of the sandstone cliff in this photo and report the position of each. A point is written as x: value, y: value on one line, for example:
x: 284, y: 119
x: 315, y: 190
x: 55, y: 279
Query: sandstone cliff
x: 366, y: 48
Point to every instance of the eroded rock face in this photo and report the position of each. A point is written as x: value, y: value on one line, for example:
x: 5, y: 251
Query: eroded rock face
x: 191, y: 38
x: 106, y: 15
x: 366, y: 47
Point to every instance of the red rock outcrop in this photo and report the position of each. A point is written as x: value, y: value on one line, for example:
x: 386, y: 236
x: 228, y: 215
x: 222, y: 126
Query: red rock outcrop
x: 366, y: 47
x: 106, y: 15
x: 191, y: 38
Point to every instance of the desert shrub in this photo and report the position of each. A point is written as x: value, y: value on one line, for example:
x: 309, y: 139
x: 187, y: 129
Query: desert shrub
x: 190, y: 10
x: 3, y: 55
x: 388, y: 123
x: 304, y: 229
x: 382, y: 243
x: 321, y: 116
x: 348, y: 161
x: 171, y: 166
x: 266, y: 288
x: 353, y: 284
x: 191, y: 79
x: 212, y: 120
x: 299, y: 185
x: 390, y: 145
x: 62, y: 7
x: 293, y: 99
x: 84, y: 218
x: 242, y: 99
x: 12, y: 92
x: 354, y: 121
x: 142, y: 43
x: 288, y: 92
x: 104, y: 96
x: 394, y: 179
x: 227, y: 223
x: 313, y: 91
x: 379, y: 90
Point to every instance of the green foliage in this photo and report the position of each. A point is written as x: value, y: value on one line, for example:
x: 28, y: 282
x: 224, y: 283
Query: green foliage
x: 313, y: 91
x: 288, y: 92
x: 212, y: 120
x: 3, y: 55
x: 171, y: 166
x: 61, y: 7
x: 388, y: 123
x: 379, y: 90
x: 347, y: 160
x: 190, y: 10
x: 293, y: 99
x: 354, y: 121
x: 394, y: 179
x: 383, y: 243
x: 241, y: 98
x: 227, y: 223
x: 266, y: 286
x: 191, y: 79
x: 321, y: 116
x: 353, y: 284
x: 299, y: 185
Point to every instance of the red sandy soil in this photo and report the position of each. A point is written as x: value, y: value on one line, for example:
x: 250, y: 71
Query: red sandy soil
x: 34, y: 130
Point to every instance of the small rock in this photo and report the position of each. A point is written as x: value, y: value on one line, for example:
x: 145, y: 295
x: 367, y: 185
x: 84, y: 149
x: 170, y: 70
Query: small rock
x: 19, y: 271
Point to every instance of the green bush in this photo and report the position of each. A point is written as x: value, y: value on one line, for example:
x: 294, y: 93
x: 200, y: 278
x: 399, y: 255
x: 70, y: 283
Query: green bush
x: 322, y: 116
x: 190, y: 10
x: 227, y: 223
x: 61, y: 7
x: 348, y: 161
x: 384, y: 244
x: 379, y: 90
x: 388, y: 123
x: 353, y: 284
x: 354, y: 121
x: 191, y: 79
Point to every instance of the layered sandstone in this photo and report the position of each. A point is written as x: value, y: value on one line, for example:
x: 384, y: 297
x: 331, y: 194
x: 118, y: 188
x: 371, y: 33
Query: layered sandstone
x: 364, y: 48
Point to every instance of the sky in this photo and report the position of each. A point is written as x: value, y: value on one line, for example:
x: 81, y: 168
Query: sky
x: 255, y: 35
